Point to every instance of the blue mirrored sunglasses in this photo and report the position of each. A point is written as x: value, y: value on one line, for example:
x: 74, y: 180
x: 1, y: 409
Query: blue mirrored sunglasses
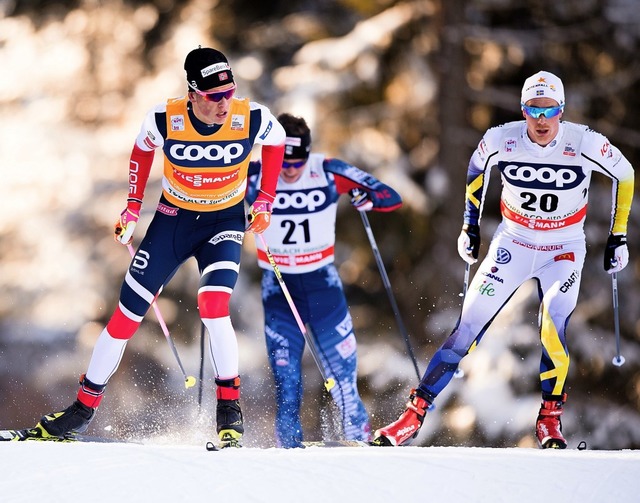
x: 547, y: 112
x: 299, y: 164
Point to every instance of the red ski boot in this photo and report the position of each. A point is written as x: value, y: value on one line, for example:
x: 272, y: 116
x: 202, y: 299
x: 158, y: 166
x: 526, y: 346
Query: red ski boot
x: 406, y: 427
x: 548, y: 425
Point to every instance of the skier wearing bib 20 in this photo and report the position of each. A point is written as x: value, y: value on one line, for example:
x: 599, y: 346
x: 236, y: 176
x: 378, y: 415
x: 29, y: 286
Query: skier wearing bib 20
x: 301, y: 239
x: 545, y: 166
x: 206, y: 138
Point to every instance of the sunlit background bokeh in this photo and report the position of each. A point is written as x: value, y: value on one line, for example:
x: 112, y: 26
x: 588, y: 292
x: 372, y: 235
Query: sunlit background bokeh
x: 402, y: 89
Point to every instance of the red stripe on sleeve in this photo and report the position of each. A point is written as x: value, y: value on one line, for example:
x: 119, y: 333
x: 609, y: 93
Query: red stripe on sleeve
x: 139, y: 169
x: 272, y: 156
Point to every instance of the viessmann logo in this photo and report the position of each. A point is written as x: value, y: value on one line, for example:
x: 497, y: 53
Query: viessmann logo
x: 541, y: 176
x: 194, y: 152
x: 211, y: 180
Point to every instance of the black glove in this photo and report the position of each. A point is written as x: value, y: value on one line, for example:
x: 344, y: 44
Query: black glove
x: 611, y: 258
x: 473, y: 231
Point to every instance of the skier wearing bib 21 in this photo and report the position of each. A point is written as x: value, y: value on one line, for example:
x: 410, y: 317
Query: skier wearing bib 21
x: 206, y: 138
x: 545, y: 166
x: 301, y: 238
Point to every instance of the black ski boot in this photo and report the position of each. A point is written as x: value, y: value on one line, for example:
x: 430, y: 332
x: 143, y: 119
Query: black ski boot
x: 229, y: 424
x: 73, y: 419
x: 76, y: 417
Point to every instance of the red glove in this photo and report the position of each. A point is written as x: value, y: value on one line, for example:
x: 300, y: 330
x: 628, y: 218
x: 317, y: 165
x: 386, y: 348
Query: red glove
x: 125, y: 226
x: 259, y: 216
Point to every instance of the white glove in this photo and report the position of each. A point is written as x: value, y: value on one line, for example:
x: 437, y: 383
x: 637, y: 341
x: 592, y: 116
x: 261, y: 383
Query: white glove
x: 469, y: 243
x: 616, y: 253
x: 360, y: 200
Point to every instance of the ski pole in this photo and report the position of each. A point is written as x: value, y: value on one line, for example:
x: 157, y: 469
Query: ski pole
x: 189, y: 381
x: 459, y: 373
x: 387, y: 286
x: 328, y: 382
x: 465, y: 283
x: 201, y: 381
x: 618, y: 360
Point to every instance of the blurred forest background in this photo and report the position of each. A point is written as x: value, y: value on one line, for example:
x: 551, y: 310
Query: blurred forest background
x: 402, y: 89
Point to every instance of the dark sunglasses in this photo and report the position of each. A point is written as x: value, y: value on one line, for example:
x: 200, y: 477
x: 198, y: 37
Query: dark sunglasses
x: 299, y: 164
x: 215, y: 96
x: 547, y: 112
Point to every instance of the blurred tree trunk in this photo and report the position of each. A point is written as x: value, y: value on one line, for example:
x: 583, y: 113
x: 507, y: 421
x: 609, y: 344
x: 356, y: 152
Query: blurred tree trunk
x: 453, y: 92
x: 453, y: 152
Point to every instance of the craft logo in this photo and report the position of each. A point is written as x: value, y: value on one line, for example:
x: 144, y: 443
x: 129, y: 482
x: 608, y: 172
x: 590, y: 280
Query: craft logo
x: 570, y: 282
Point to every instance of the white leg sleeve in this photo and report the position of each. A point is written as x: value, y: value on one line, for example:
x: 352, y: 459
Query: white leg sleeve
x: 106, y: 357
x: 223, y: 347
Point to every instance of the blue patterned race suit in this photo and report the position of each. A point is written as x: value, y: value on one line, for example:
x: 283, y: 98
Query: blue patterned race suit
x: 301, y: 238
x: 541, y: 237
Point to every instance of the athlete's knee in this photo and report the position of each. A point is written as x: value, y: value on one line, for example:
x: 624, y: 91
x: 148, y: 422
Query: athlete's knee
x: 123, y: 323
x: 213, y: 303
x: 220, y: 275
x: 288, y: 399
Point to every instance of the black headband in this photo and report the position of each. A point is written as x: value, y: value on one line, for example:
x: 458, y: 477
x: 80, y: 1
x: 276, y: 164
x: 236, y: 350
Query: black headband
x: 297, y: 147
